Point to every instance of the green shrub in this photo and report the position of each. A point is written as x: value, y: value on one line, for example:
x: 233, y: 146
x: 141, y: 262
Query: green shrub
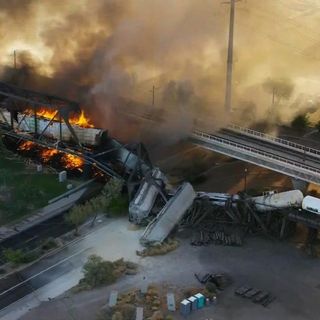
x: 109, y: 200
x: 18, y: 256
x: 98, y: 272
x: 119, y: 205
x: 49, y: 244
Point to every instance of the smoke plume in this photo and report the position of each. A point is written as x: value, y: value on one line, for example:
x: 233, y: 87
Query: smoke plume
x: 109, y: 54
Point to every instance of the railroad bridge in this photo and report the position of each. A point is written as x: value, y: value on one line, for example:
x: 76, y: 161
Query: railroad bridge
x: 93, y: 145
x: 292, y: 159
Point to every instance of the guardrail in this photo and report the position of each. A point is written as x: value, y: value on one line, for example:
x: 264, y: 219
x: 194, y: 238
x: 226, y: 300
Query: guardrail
x: 273, y: 139
x: 254, y: 151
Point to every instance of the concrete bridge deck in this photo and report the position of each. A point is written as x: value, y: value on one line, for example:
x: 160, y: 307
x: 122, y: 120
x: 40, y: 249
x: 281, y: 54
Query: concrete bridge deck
x: 294, y: 160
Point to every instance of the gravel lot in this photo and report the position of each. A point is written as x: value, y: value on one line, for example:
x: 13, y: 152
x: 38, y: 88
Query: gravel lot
x: 273, y: 266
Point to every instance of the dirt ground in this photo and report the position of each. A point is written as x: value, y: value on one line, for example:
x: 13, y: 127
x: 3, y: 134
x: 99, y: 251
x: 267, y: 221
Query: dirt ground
x: 273, y: 266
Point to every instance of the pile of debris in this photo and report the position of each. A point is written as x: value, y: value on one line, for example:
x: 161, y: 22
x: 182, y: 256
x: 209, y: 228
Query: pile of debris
x: 255, y: 295
x: 219, y: 281
x: 204, y: 238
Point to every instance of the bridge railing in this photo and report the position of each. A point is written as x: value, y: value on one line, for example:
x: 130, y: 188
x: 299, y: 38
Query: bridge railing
x: 225, y: 142
x: 264, y: 136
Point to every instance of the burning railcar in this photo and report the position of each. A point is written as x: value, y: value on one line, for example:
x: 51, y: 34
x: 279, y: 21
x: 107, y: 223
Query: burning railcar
x: 54, y: 129
x: 62, y: 132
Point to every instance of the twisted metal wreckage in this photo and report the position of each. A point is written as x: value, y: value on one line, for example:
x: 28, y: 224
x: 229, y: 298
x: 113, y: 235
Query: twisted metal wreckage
x: 213, y: 217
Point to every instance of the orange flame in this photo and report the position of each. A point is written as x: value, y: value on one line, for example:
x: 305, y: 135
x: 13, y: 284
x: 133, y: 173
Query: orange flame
x: 80, y: 120
x: 72, y: 162
x: 47, y: 113
x: 47, y: 154
x: 26, y: 145
x: 69, y: 161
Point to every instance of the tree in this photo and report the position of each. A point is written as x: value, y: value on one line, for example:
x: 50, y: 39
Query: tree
x: 98, y: 272
x: 300, y: 122
x: 109, y: 196
x: 77, y: 216
x: 317, y: 126
x: 279, y: 88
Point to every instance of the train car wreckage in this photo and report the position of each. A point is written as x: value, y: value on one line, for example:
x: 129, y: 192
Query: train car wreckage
x: 152, y: 201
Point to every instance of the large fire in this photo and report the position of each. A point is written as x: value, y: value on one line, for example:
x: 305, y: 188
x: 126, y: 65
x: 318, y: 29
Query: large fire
x: 68, y: 161
x: 78, y: 119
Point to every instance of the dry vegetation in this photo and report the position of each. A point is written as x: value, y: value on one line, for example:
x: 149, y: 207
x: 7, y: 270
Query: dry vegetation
x: 159, y: 249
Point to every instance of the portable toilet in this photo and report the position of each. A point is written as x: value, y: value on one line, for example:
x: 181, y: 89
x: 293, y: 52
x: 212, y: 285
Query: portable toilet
x: 185, y: 307
x: 194, y: 303
x: 171, y: 303
x: 200, y: 300
x: 113, y: 298
x: 139, y: 313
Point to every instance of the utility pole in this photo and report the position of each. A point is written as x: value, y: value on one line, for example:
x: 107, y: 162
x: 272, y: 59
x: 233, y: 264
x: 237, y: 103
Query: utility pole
x: 153, y: 95
x: 228, y: 96
x: 245, y: 179
x: 14, y: 59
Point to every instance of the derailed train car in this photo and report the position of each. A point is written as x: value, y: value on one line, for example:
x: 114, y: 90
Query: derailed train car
x: 274, y: 201
x: 311, y: 204
x: 53, y: 130
x: 86, y: 136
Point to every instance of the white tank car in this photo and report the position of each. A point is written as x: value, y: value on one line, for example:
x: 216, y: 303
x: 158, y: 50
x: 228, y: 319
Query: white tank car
x: 273, y: 201
x: 87, y: 136
x: 144, y: 200
x: 311, y: 204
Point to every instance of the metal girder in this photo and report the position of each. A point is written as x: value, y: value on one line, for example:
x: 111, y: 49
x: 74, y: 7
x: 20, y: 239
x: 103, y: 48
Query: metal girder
x: 47, y: 126
x: 37, y: 98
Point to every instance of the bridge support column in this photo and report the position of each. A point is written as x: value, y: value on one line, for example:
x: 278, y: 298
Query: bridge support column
x: 300, y: 185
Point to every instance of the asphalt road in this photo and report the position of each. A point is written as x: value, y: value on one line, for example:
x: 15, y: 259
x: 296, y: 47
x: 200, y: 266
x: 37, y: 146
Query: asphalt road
x: 57, y: 273
x: 24, y: 282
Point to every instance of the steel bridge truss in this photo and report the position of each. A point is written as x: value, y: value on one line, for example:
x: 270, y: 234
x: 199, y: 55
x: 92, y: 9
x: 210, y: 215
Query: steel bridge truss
x: 12, y: 96
x: 134, y: 160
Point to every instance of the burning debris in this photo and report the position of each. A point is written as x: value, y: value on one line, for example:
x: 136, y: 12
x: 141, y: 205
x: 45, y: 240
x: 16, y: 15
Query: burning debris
x: 51, y: 157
